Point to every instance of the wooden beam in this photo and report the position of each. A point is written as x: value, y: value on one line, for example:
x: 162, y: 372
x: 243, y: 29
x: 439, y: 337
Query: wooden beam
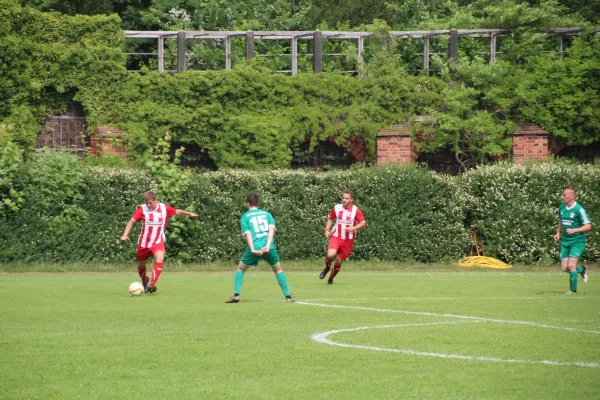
x: 560, y: 46
x: 294, y: 56
x: 361, y: 48
x: 318, y: 52
x: 161, y: 54
x: 426, y: 55
x: 228, y: 52
x: 249, y: 45
x: 453, y: 45
x: 181, y: 50
x: 493, y: 49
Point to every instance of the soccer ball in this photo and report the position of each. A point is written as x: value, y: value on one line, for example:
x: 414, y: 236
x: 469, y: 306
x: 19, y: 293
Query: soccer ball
x: 136, y: 288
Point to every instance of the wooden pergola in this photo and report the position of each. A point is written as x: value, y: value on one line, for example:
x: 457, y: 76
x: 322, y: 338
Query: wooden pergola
x: 317, y: 38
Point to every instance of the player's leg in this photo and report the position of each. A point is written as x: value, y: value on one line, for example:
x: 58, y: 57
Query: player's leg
x: 329, y: 258
x: 141, y: 267
x: 248, y: 260
x: 572, y: 269
x: 577, y: 250
x: 336, y: 269
x: 343, y: 253
x: 142, y: 256
x: 332, y: 251
x: 159, y: 261
x: 272, y: 257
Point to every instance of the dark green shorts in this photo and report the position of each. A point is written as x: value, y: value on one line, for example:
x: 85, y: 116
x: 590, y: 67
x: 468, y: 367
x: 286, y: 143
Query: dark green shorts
x: 272, y: 257
x: 575, y: 249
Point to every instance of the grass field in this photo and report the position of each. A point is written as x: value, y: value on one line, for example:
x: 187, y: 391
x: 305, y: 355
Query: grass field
x: 423, y: 335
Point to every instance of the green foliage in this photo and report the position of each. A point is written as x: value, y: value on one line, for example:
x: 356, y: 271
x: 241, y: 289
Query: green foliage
x: 46, y: 58
x: 11, y: 160
x: 21, y: 127
x: 563, y: 96
x: 55, y: 179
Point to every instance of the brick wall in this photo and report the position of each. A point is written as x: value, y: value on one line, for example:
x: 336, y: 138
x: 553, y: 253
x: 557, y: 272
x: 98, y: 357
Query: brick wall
x: 530, y: 143
x: 394, y: 145
x: 107, y: 140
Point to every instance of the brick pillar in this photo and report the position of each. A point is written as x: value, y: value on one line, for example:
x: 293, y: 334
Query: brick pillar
x: 530, y: 142
x: 107, y: 140
x: 394, y: 145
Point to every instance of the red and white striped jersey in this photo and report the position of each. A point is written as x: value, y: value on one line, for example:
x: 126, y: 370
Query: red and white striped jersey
x: 153, y: 223
x: 345, y: 217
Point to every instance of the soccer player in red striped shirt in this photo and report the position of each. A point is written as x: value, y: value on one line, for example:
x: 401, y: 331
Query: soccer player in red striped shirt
x: 154, y: 217
x: 348, y: 219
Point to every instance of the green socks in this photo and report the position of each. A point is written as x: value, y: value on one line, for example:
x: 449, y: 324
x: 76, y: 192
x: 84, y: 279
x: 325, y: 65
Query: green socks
x: 579, y: 269
x: 239, y: 279
x: 573, y: 280
x: 281, y: 279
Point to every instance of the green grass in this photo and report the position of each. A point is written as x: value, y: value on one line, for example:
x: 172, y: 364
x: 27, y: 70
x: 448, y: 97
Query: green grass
x: 81, y: 335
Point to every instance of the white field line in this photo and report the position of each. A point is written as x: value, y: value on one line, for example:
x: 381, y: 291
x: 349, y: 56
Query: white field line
x: 460, y: 298
x: 322, y: 337
x: 467, y: 317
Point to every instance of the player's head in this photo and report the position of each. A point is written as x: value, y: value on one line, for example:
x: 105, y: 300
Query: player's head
x: 569, y: 195
x: 252, y: 200
x: 150, y: 200
x: 347, y: 197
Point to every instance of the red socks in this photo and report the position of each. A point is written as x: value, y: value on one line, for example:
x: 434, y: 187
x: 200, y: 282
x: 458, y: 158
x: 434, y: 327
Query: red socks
x: 336, y: 268
x: 142, y: 274
x: 156, y: 273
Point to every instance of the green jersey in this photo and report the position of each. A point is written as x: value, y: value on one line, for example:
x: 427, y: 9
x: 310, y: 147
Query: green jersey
x: 257, y: 222
x: 573, y: 217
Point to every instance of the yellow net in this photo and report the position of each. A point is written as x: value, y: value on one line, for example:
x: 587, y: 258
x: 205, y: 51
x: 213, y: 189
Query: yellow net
x: 480, y: 260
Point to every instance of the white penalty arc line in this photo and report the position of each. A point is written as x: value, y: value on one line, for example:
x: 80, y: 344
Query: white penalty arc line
x: 322, y: 337
x: 467, y: 317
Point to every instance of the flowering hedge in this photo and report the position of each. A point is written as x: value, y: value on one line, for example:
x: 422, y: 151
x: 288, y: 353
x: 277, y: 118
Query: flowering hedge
x: 412, y: 213
x: 515, y: 206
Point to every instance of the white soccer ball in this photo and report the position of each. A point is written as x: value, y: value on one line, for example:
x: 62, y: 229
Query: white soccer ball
x: 136, y: 288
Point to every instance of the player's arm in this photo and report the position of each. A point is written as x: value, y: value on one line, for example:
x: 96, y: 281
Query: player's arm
x: 584, y: 228
x: 357, y: 226
x: 137, y: 216
x: 558, y: 230
x: 189, y: 214
x: 361, y: 224
x: 128, y: 227
x: 269, y: 239
x: 248, y: 237
x: 328, y: 227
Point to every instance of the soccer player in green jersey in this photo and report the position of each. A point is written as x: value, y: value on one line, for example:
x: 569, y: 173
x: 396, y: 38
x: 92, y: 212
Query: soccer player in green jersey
x: 572, y: 227
x: 258, y: 227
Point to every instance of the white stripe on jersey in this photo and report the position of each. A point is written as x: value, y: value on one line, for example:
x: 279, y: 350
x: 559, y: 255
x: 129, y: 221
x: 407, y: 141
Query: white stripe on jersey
x: 344, y: 218
x: 153, y: 228
x: 584, y: 217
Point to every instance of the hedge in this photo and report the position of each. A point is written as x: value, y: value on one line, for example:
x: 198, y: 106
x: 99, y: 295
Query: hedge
x: 76, y: 213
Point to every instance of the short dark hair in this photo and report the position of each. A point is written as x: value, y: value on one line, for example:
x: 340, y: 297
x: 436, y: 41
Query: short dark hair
x: 252, y: 199
x: 572, y: 189
x: 350, y: 192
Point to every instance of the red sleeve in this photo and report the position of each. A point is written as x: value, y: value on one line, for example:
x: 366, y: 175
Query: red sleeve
x: 138, y: 215
x: 170, y: 211
x: 359, y: 216
x: 332, y: 214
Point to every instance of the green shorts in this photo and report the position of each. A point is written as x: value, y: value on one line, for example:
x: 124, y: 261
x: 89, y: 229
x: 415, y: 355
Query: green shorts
x: 574, y: 250
x: 272, y: 257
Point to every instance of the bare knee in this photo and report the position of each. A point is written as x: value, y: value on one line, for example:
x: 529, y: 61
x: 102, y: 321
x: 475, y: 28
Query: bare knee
x: 276, y: 268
